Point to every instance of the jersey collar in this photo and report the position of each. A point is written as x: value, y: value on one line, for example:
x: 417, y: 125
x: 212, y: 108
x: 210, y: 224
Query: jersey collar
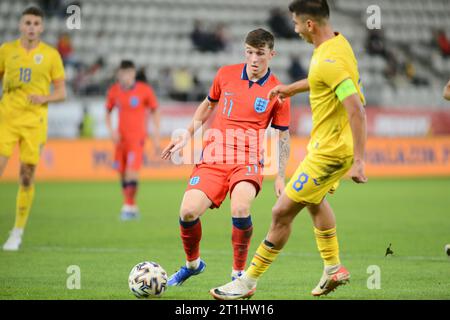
x: 19, y: 44
x: 330, y: 41
x: 261, y: 82
x: 129, y: 89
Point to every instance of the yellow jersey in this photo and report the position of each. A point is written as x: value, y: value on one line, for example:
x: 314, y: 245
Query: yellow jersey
x: 331, y: 63
x: 27, y: 73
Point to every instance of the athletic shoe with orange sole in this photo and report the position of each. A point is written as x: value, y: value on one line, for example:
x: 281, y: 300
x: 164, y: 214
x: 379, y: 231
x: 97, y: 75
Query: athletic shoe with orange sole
x: 330, y: 281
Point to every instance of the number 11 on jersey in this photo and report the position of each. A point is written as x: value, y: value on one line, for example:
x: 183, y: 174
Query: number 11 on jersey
x: 225, y: 106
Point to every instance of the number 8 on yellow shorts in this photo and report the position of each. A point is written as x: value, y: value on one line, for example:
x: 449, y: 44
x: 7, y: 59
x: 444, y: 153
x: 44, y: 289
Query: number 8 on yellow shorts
x: 315, y: 177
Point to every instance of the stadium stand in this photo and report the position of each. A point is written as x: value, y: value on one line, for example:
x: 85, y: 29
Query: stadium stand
x: 156, y: 34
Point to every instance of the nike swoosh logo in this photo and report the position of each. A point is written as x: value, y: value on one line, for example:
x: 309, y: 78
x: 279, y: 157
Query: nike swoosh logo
x: 15, y: 57
x: 330, y: 61
x: 229, y: 94
x: 217, y: 291
x: 324, y: 285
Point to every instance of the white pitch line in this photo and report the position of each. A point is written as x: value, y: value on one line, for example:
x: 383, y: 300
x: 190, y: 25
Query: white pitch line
x: 223, y: 252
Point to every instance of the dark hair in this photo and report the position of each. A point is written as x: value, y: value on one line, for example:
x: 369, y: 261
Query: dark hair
x: 259, y: 38
x: 127, y: 64
x: 318, y: 9
x: 35, y: 11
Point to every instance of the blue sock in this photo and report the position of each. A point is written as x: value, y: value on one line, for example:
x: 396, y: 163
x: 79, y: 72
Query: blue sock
x: 242, y: 223
x: 189, y: 224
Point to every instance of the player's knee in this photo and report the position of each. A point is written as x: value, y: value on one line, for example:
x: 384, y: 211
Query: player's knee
x: 27, y: 174
x: 276, y: 211
x: 279, y: 215
x: 189, y: 213
x: 240, y: 210
x: 26, y: 179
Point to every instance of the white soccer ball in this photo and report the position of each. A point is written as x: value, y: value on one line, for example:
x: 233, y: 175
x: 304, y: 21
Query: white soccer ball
x: 147, y: 280
x: 447, y: 249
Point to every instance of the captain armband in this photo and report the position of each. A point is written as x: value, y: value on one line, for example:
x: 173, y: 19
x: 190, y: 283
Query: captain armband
x: 345, y: 89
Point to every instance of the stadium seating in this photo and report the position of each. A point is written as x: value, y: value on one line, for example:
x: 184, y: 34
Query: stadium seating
x: 155, y: 33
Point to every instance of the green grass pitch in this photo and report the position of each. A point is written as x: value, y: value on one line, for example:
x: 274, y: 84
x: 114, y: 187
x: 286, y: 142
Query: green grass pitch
x: 78, y: 224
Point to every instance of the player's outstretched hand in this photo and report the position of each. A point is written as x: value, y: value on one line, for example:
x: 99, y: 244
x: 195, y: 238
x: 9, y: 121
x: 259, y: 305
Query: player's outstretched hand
x: 176, y: 144
x: 357, y: 172
x: 280, y: 91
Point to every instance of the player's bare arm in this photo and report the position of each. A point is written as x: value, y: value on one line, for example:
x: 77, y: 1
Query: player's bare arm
x: 156, y: 116
x: 357, y: 119
x: 283, y: 91
x: 284, y: 149
x: 202, y: 114
x: 58, y: 94
x: 113, y: 133
x: 447, y: 91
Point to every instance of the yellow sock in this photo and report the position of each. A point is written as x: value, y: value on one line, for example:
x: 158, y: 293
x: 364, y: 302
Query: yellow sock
x: 328, y: 246
x: 23, y: 205
x: 261, y: 261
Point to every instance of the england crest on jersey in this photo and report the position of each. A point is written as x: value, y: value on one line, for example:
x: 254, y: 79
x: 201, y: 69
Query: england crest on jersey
x: 261, y: 105
x: 38, y: 58
x: 134, y: 101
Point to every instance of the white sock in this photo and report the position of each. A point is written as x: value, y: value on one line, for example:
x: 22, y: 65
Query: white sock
x: 18, y: 231
x: 332, y: 269
x: 193, y: 264
x: 250, y: 282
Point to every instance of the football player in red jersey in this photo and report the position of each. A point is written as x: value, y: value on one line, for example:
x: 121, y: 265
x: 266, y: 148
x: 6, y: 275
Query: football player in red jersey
x: 134, y: 101
x: 231, y: 161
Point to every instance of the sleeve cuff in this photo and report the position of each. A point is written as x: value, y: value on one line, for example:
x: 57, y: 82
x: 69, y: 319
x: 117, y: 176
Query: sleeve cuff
x: 58, y: 79
x: 212, y: 100
x: 281, y: 128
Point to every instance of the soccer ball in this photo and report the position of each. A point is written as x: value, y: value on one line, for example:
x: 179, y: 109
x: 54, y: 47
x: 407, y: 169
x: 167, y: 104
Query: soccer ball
x: 147, y: 280
x: 447, y: 249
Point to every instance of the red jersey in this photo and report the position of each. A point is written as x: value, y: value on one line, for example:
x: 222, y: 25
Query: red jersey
x: 243, y: 113
x: 133, y: 105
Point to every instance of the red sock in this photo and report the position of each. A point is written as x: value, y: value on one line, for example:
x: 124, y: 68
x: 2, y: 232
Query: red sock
x: 241, y: 241
x: 129, y: 192
x: 191, y: 234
